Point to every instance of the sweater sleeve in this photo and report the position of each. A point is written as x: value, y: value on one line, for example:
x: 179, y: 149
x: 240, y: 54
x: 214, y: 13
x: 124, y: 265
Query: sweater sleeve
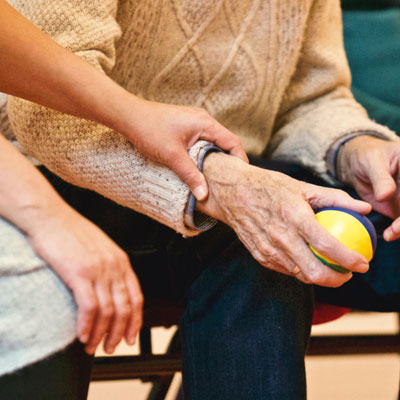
x: 318, y: 107
x: 85, y: 153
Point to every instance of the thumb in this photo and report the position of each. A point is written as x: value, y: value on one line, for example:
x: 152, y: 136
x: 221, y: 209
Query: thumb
x: 382, y: 183
x: 187, y: 171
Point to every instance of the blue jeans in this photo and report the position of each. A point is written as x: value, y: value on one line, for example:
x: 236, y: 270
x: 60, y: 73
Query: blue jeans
x: 245, y: 328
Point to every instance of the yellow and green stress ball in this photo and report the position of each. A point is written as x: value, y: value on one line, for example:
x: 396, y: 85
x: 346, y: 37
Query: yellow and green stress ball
x: 352, y: 229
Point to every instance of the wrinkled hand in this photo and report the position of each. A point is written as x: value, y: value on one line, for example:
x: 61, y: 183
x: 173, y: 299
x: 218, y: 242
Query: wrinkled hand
x: 97, y: 271
x: 164, y: 133
x: 371, y: 166
x: 272, y: 214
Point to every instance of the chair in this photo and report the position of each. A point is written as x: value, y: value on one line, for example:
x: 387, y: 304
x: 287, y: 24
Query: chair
x: 355, y: 344
x: 160, y: 368
x: 156, y: 368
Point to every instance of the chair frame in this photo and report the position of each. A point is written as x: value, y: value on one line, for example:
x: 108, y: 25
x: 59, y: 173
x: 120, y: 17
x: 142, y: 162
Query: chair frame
x: 161, y: 368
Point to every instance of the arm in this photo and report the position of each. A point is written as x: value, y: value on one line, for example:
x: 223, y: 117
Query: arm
x: 272, y: 213
x: 42, y: 71
x: 318, y: 107
x: 96, y: 270
x: 273, y: 216
x: 372, y: 167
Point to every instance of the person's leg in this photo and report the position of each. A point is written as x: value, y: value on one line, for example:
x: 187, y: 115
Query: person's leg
x: 63, y: 376
x: 245, y: 329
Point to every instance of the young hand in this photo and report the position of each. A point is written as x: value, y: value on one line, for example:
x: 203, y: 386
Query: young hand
x: 165, y: 132
x: 97, y: 271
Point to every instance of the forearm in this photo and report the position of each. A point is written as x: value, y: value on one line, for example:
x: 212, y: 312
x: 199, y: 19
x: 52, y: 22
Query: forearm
x: 35, y: 67
x: 92, y: 156
x: 25, y: 195
x: 318, y: 108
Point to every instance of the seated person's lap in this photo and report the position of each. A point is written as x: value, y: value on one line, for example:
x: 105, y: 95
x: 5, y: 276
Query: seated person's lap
x: 156, y: 249
x: 379, y: 288
x: 232, y: 301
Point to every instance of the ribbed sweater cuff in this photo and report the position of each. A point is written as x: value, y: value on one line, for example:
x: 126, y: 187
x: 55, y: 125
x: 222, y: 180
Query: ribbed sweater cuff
x: 195, y: 219
x: 333, y: 152
x: 169, y: 200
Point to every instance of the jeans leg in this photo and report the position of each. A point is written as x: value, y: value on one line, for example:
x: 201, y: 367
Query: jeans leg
x: 245, y: 332
x: 245, y: 329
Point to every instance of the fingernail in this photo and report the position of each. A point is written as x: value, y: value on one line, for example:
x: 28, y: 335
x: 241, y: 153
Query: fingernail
x: 84, y: 338
x: 200, y: 193
x: 296, y: 270
x: 365, y: 266
x: 131, y: 341
x: 387, y: 235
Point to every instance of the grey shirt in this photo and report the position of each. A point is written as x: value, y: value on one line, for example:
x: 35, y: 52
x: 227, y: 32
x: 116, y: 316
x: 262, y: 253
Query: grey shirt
x: 37, y: 311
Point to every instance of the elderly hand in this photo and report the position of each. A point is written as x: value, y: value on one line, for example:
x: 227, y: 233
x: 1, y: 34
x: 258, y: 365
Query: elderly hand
x: 272, y: 214
x: 371, y: 166
x: 97, y: 271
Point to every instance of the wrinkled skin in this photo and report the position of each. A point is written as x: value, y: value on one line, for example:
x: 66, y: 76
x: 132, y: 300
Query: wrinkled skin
x: 371, y: 166
x: 272, y: 214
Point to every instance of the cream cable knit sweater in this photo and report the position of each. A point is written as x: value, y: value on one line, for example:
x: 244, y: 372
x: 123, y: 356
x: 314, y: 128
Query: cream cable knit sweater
x: 274, y: 72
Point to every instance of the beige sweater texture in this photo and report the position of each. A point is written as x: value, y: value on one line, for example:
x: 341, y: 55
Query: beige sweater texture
x: 273, y: 72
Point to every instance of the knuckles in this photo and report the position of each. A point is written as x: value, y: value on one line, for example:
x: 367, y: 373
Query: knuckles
x: 90, y: 307
x: 107, y: 310
x: 138, y: 301
x: 124, y: 311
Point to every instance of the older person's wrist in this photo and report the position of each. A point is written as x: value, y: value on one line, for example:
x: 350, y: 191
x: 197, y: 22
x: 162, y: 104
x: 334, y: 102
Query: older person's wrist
x: 348, y: 151
x: 223, y: 173
x: 332, y: 156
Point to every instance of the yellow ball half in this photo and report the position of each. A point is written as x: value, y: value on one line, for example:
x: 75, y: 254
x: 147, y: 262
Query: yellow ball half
x: 352, y: 229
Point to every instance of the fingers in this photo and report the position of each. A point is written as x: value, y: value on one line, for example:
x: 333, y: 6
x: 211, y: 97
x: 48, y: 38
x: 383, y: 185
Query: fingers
x: 86, y: 300
x: 297, y: 257
x: 104, y: 314
x: 393, y: 231
x: 306, y: 267
x: 225, y: 139
x: 334, y: 251
x: 119, y: 321
x: 320, y: 197
x: 382, y: 183
x: 186, y: 169
x: 136, y: 299
x: 208, y: 129
x: 287, y: 248
x: 113, y: 312
x: 287, y: 252
x: 314, y: 271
